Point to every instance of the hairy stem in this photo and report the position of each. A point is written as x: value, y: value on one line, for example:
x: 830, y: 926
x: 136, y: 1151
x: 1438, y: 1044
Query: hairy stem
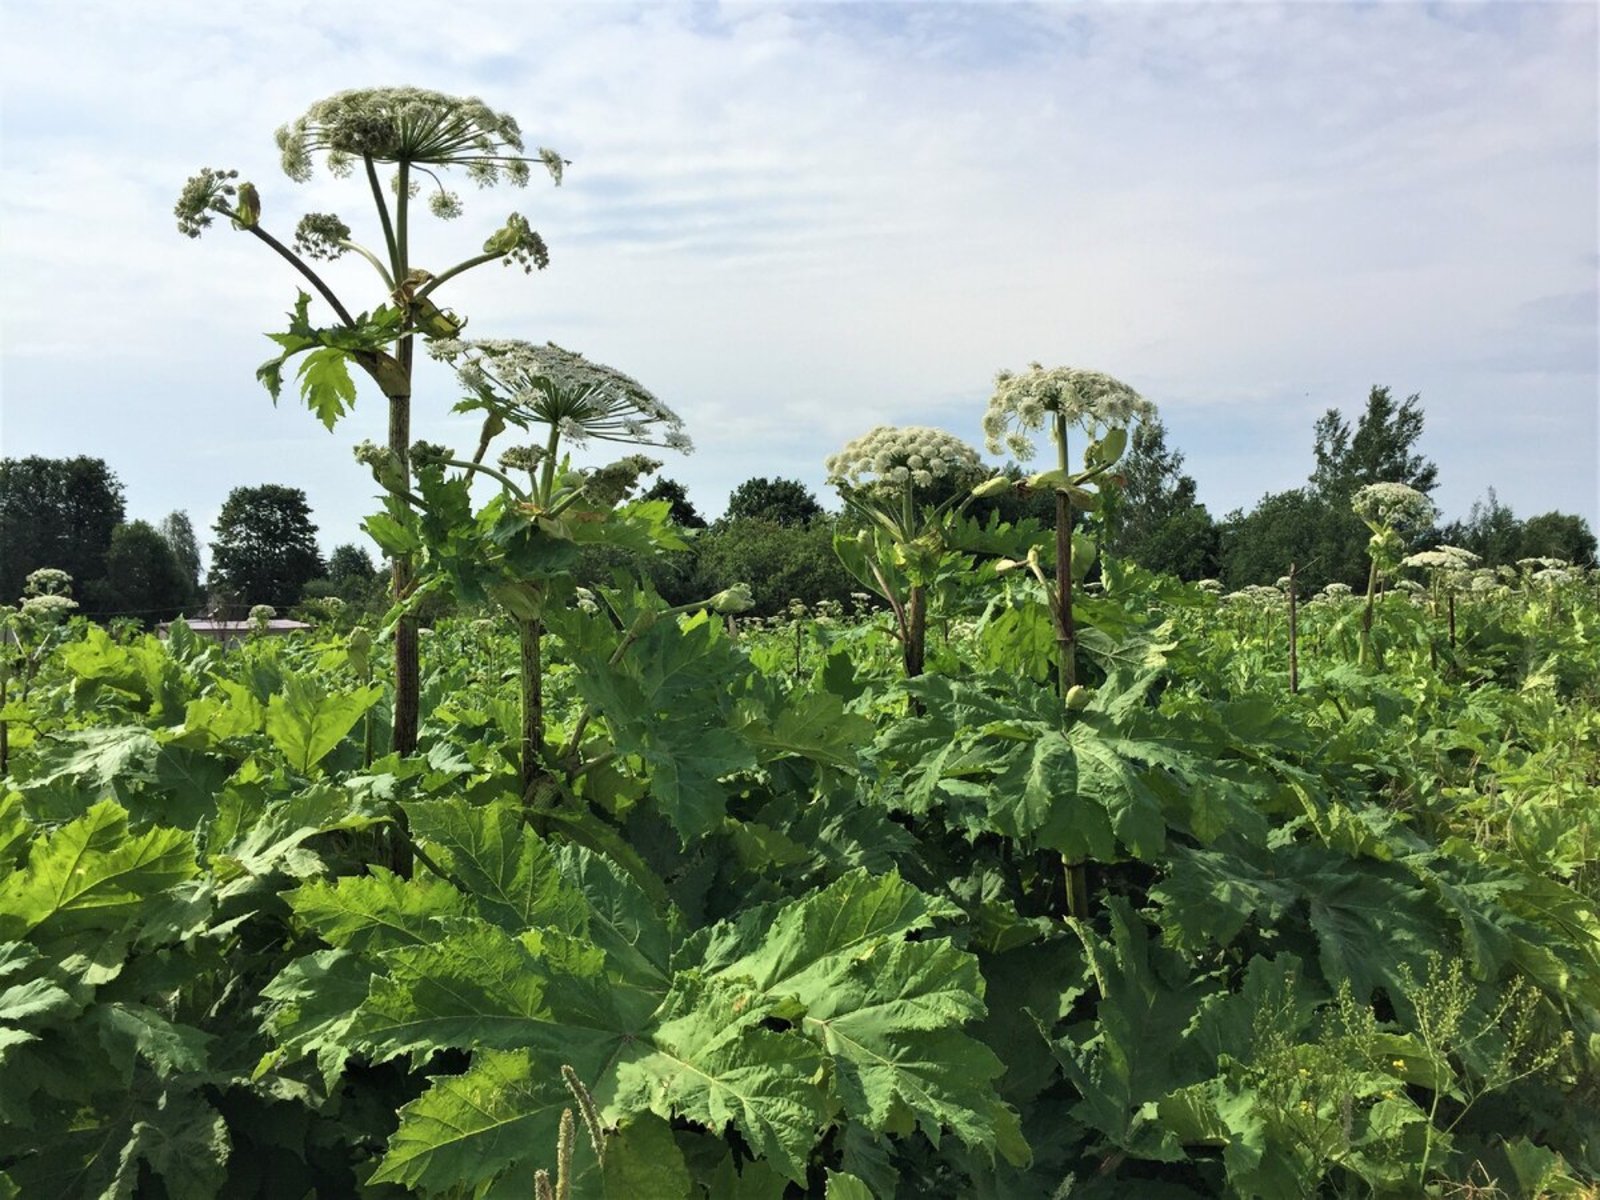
x: 300, y: 264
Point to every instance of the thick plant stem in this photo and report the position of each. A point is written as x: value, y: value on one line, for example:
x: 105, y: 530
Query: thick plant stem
x: 407, y: 663
x: 1076, y: 874
x: 916, y: 630
x: 531, y: 679
x: 1066, y: 632
x: 407, y: 660
x: 1294, y: 635
x: 1366, y: 616
x: 1451, y: 597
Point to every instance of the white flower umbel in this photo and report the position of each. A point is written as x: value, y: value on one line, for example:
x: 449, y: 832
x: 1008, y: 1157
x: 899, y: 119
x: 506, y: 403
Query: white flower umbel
x: 47, y: 581
x: 1442, y: 558
x: 891, y: 456
x: 1390, y: 510
x: 547, y: 385
x: 416, y: 127
x: 1393, y: 506
x: 1024, y: 401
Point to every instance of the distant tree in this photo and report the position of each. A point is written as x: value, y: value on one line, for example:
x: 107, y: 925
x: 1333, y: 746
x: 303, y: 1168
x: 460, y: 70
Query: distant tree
x: 1288, y: 528
x: 683, y: 512
x: 779, y: 562
x: 178, y: 531
x: 1154, y: 518
x: 349, y: 563
x: 143, y: 578
x: 785, y: 502
x: 266, y: 550
x: 56, y: 512
x: 1382, y: 448
x: 1491, y: 531
x: 1559, y: 535
x: 353, y: 578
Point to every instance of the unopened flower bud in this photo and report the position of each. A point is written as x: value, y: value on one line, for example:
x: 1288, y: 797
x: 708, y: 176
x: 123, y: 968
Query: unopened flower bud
x: 735, y: 599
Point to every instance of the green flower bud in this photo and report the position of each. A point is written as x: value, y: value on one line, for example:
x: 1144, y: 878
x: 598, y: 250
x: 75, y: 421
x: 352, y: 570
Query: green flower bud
x: 1078, y: 698
x: 995, y: 485
x: 735, y: 599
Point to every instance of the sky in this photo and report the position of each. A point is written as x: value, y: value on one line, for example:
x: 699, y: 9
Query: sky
x: 796, y: 222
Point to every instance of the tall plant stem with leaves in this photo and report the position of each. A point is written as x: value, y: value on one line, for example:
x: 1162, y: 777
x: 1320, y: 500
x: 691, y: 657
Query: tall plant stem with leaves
x: 531, y: 679
x: 1066, y: 631
x: 417, y: 132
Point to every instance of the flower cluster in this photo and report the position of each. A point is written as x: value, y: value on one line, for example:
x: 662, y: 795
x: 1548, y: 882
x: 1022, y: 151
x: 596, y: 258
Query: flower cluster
x: 383, y: 464
x: 1393, y: 506
x: 893, y: 456
x: 1449, y: 559
x: 321, y: 235
x: 521, y: 458
x: 430, y: 454
x: 206, y: 194
x: 47, y: 581
x: 1022, y: 402
x: 615, y: 482
x: 547, y: 385
x: 48, y: 608
x: 520, y: 244
x: 260, y: 614
x: 414, y: 126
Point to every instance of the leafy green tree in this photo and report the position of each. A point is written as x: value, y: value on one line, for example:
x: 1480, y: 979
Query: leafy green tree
x: 1296, y: 528
x: 421, y: 134
x: 350, y: 563
x: 179, y: 533
x: 266, y: 548
x: 684, y: 512
x: 1491, y: 531
x: 143, y: 578
x: 785, y: 502
x: 1381, y: 448
x: 779, y: 562
x: 1559, y: 535
x: 1154, y: 518
x: 56, y: 512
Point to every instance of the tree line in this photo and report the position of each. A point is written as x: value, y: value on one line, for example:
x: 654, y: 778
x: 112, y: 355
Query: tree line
x: 775, y: 534
x: 70, y: 514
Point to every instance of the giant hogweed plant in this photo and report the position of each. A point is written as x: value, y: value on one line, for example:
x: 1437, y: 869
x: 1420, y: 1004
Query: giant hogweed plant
x: 904, y: 547
x: 1392, y: 511
x: 420, y: 134
x: 1062, y: 399
x: 518, y: 549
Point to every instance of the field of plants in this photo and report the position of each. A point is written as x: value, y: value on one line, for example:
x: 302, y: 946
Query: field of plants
x: 769, y: 918
x: 1029, y: 874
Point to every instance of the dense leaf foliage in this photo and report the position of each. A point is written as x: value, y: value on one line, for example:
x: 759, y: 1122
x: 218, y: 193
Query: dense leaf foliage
x: 782, y: 922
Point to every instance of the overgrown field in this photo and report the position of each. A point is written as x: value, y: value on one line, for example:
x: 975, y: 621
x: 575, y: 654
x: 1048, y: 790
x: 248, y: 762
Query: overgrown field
x: 768, y: 919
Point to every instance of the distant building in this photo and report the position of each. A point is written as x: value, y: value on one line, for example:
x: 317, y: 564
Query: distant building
x: 231, y: 633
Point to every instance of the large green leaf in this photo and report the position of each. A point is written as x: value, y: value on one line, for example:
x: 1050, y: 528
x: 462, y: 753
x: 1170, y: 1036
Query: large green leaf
x: 509, y: 873
x: 466, y: 1129
x: 378, y: 910
x: 306, y: 722
x: 712, y: 1061
x: 93, y: 874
